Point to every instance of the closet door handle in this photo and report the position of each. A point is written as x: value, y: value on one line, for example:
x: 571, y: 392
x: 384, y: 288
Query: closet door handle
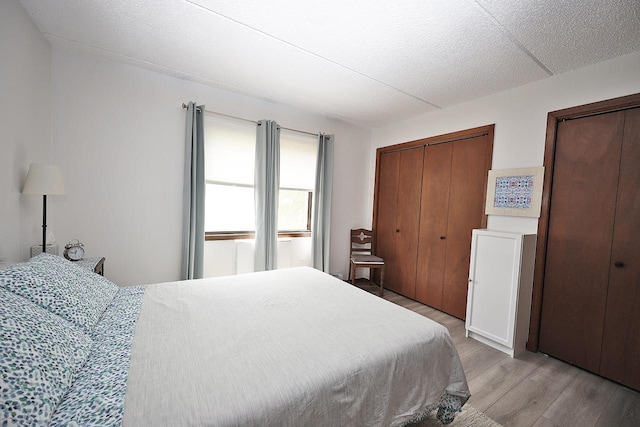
x: 618, y: 264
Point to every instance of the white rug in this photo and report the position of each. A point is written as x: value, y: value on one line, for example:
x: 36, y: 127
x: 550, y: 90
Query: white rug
x: 469, y: 417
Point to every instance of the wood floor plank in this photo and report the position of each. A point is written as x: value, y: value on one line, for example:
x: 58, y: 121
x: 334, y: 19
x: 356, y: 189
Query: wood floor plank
x: 582, y: 402
x: 480, y: 359
x: 493, y: 384
x: 623, y: 410
x: 527, y: 401
x: 543, y: 422
x: 466, y: 345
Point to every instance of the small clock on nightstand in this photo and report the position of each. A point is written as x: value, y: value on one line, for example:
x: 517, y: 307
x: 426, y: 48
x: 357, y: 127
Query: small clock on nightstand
x: 74, y: 250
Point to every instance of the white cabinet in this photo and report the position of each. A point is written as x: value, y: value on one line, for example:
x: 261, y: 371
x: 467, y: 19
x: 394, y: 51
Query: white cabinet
x: 500, y: 283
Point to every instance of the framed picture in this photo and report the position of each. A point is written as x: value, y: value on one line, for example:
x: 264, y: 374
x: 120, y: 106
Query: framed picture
x: 515, y: 192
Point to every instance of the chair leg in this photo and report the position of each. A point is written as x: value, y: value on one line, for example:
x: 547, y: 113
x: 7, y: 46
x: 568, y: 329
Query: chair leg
x: 382, y: 281
x: 353, y: 274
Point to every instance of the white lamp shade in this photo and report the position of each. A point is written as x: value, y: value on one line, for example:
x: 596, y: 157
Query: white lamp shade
x: 43, y: 179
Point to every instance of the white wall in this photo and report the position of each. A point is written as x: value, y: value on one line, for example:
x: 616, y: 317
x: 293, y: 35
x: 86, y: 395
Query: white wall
x: 117, y: 133
x: 24, y: 128
x: 118, y: 136
x: 520, y: 116
x: 226, y: 257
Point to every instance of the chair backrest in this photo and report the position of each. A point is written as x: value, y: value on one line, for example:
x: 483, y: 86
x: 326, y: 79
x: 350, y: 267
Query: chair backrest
x: 362, y: 241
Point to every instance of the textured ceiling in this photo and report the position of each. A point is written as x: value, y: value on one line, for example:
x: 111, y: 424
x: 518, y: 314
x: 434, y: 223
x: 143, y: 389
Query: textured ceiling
x: 366, y: 61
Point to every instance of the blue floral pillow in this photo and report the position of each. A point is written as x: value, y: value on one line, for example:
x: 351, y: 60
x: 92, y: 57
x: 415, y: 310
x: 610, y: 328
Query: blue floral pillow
x: 40, y: 353
x: 72, y: 292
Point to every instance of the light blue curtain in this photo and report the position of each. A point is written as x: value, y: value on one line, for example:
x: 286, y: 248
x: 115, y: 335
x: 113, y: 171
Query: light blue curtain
x: 321, y: 218
x: 194, y: 188
x: 267, y: 184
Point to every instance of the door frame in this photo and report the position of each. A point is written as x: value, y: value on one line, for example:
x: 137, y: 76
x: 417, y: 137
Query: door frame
x: 601, y: 107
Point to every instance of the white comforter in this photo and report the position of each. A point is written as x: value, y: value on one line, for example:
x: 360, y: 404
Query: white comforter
x: 292, y: 347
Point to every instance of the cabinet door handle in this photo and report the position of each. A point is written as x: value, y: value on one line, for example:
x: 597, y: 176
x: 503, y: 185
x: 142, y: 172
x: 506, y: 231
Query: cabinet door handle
x: 442, y: 237
x: 397, y: 230
x: 618, y: 264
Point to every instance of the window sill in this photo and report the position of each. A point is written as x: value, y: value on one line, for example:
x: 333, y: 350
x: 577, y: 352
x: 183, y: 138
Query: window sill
x: 238, y: 236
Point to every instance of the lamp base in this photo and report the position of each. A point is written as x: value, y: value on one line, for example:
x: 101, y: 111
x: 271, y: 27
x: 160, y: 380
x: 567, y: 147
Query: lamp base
x: 51, y: 249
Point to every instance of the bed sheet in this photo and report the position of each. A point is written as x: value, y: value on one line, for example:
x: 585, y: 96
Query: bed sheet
x: 292, y: 347
x: 98, y: 391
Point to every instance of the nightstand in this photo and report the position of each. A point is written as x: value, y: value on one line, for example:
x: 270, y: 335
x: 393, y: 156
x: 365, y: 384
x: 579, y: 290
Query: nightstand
x: 95, y: 264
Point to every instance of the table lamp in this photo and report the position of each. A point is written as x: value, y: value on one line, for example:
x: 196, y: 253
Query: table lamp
x: 45, y: 180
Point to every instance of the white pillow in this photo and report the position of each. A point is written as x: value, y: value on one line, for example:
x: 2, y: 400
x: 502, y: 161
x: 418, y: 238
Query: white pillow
x: 74, y: 293
x: 41, y: 353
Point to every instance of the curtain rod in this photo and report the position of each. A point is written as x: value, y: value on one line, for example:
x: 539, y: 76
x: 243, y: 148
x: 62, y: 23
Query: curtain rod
x: 184, y: 106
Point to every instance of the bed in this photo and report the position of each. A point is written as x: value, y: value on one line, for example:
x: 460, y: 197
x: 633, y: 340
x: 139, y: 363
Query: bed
x: 292, y: 347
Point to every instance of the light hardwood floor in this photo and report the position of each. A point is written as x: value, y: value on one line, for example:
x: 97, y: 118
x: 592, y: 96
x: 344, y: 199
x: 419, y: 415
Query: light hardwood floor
x: 533, y: 390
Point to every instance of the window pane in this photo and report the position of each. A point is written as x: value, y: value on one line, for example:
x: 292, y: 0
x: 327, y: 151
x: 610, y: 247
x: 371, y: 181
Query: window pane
x: 229, y: 150
x: 293, y: 210
x: 229, y: 208
x: 298, y: 154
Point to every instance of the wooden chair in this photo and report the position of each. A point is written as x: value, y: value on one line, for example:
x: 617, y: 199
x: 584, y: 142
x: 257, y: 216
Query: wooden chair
x: 361, y: 255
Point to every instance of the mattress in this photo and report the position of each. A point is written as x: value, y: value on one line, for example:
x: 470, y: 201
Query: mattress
x: 292, y: 347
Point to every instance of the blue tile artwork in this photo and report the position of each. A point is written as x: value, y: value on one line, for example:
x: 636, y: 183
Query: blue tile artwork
x: 514, y: 192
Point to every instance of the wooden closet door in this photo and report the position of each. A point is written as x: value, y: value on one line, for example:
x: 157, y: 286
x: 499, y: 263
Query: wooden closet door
x: 580, y: 231
x: 433, y: 224
x: 412, y: 193
x: 621, y: 339
x: 408, y: 220
x: 398, y: 215
x: 387, y: 211
x: 470, y: 163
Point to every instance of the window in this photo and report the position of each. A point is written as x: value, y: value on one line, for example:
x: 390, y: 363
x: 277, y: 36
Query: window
x: 229, y: 174
x: 298, y: 154
x: 229, y: 162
